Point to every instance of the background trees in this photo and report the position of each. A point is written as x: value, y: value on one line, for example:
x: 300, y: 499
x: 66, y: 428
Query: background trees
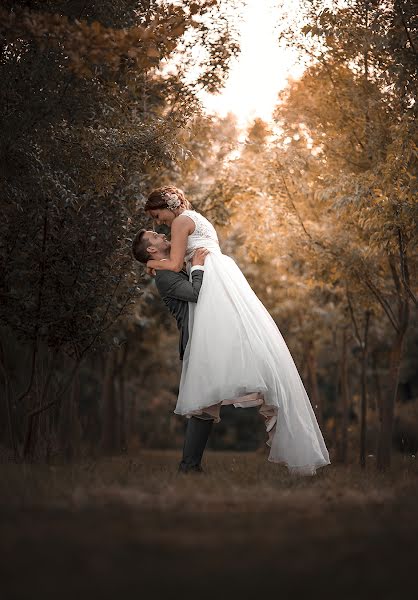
x: 87, y: 118
x: 328, y: 196
x: 356, y: 105
x: 99, y: 104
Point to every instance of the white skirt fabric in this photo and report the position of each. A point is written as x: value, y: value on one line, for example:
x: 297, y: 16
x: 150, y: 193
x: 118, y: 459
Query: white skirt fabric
x: 236, y: 355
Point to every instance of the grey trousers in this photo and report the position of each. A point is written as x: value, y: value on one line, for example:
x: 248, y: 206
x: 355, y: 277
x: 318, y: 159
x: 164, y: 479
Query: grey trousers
x: 197, y: 435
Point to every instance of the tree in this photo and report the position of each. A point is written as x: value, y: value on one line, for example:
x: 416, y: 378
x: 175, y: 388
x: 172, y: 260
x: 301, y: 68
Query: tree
x: 356, y: 104
x: 87, y: 117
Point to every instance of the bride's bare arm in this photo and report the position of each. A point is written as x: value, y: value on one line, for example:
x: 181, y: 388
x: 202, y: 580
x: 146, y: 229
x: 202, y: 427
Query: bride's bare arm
x: 180, y: 230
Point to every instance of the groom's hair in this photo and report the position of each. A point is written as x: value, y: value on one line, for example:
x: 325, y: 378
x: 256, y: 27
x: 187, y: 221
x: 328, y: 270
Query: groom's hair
x: 139, y: 247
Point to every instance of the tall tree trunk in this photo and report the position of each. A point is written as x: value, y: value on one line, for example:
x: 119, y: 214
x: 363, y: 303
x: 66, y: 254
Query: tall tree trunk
x: 31, y: 436
x: 336, y: 389
x: 376, y: 403
x: 402, y: 285
x: 75, y: 419
x: 132, y: 433
x: 384, y: 450
x: 8, y: 400
x: 363, y: 413
x: 343, y: 403
x: 109, y: 435
x: 122, y: 413
x: 313, y: 382
x: 39, y: 398
x: 69, y: 424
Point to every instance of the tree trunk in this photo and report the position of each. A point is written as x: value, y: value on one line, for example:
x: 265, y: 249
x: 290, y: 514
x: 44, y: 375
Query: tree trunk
x: 33, y: 430
x: 376, y: 398
x: 29, y: 444
x: 109, y: 434
x: 313, y: 383
x: 8, y: 399
x: 122, y: 413
x: 69, y: 424
x: 132, y: 432
x: 363, y: 414
x: 384, y: 450
x: 343, y: 403
x: 336, y: 415
x: 75, y: 419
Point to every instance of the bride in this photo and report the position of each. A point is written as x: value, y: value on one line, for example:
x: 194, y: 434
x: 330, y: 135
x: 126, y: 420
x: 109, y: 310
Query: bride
x: 235, y: 353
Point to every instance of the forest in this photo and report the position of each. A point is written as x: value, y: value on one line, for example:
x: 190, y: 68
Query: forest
x: 101, y: 102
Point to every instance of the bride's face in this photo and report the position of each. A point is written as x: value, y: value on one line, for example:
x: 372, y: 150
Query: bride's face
x: 162, y: 216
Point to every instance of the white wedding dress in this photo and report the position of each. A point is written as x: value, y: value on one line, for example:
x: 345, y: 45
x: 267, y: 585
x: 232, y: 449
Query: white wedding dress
x: 236, y: 355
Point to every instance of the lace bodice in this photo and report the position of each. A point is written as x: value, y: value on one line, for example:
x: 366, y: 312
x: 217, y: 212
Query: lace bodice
x: 204, y: 235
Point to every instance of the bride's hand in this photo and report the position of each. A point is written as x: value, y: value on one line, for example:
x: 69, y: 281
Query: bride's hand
x: 151, y: 271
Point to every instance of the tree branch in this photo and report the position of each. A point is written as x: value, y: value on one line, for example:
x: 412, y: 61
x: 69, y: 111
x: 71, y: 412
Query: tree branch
x: 383, y: 303
x: 405, y: 25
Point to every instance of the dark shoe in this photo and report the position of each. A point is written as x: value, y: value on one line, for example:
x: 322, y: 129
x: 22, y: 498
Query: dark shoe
x: 190, y: 468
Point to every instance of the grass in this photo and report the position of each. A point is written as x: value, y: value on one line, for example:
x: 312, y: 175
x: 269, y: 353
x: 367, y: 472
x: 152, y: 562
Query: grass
x: 130, y: 526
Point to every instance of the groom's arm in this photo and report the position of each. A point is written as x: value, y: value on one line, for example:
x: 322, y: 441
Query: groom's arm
x: 175, y: 285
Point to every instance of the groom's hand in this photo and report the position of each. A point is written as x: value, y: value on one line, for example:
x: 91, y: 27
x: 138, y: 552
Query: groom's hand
x: 199, y: 257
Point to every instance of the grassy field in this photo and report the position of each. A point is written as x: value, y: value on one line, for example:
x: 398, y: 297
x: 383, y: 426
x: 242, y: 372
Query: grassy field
x: 131, y: 527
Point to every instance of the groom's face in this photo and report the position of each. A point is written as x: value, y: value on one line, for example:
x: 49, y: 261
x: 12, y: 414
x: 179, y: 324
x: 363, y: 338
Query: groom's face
x: 157, y: 243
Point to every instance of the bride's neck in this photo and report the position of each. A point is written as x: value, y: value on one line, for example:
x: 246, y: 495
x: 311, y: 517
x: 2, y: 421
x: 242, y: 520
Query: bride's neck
x: 178, y: 211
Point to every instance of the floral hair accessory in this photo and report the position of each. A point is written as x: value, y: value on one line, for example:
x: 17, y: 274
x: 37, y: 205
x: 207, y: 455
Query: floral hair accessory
x: 172, y: 200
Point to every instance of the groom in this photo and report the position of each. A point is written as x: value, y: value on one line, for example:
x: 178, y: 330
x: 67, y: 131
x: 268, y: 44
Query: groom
x: 177, y: 291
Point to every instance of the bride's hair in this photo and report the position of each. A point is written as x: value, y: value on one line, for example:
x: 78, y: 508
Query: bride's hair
x: 166, y: 197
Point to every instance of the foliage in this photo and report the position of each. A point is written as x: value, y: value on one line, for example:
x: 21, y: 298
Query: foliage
x: 88, y: 117
x: 325, y: 201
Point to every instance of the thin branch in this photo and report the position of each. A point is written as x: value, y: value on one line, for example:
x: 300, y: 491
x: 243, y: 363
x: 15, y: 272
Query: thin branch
x: 385, y: 305
x: 405, y: 25
x: 290, y: 196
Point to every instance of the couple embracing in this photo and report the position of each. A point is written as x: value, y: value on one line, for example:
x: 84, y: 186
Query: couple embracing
x: 232, y: 350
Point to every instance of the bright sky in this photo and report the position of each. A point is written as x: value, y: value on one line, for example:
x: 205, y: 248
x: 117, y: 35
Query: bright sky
x: 262, y: 68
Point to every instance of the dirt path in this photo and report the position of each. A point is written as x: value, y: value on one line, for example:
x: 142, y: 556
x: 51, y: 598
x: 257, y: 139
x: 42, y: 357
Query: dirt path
x: 240, y: 531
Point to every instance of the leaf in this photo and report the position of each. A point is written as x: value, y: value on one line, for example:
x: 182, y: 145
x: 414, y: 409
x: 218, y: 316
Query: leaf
x: 178, y: 31
x: 152, y: 52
